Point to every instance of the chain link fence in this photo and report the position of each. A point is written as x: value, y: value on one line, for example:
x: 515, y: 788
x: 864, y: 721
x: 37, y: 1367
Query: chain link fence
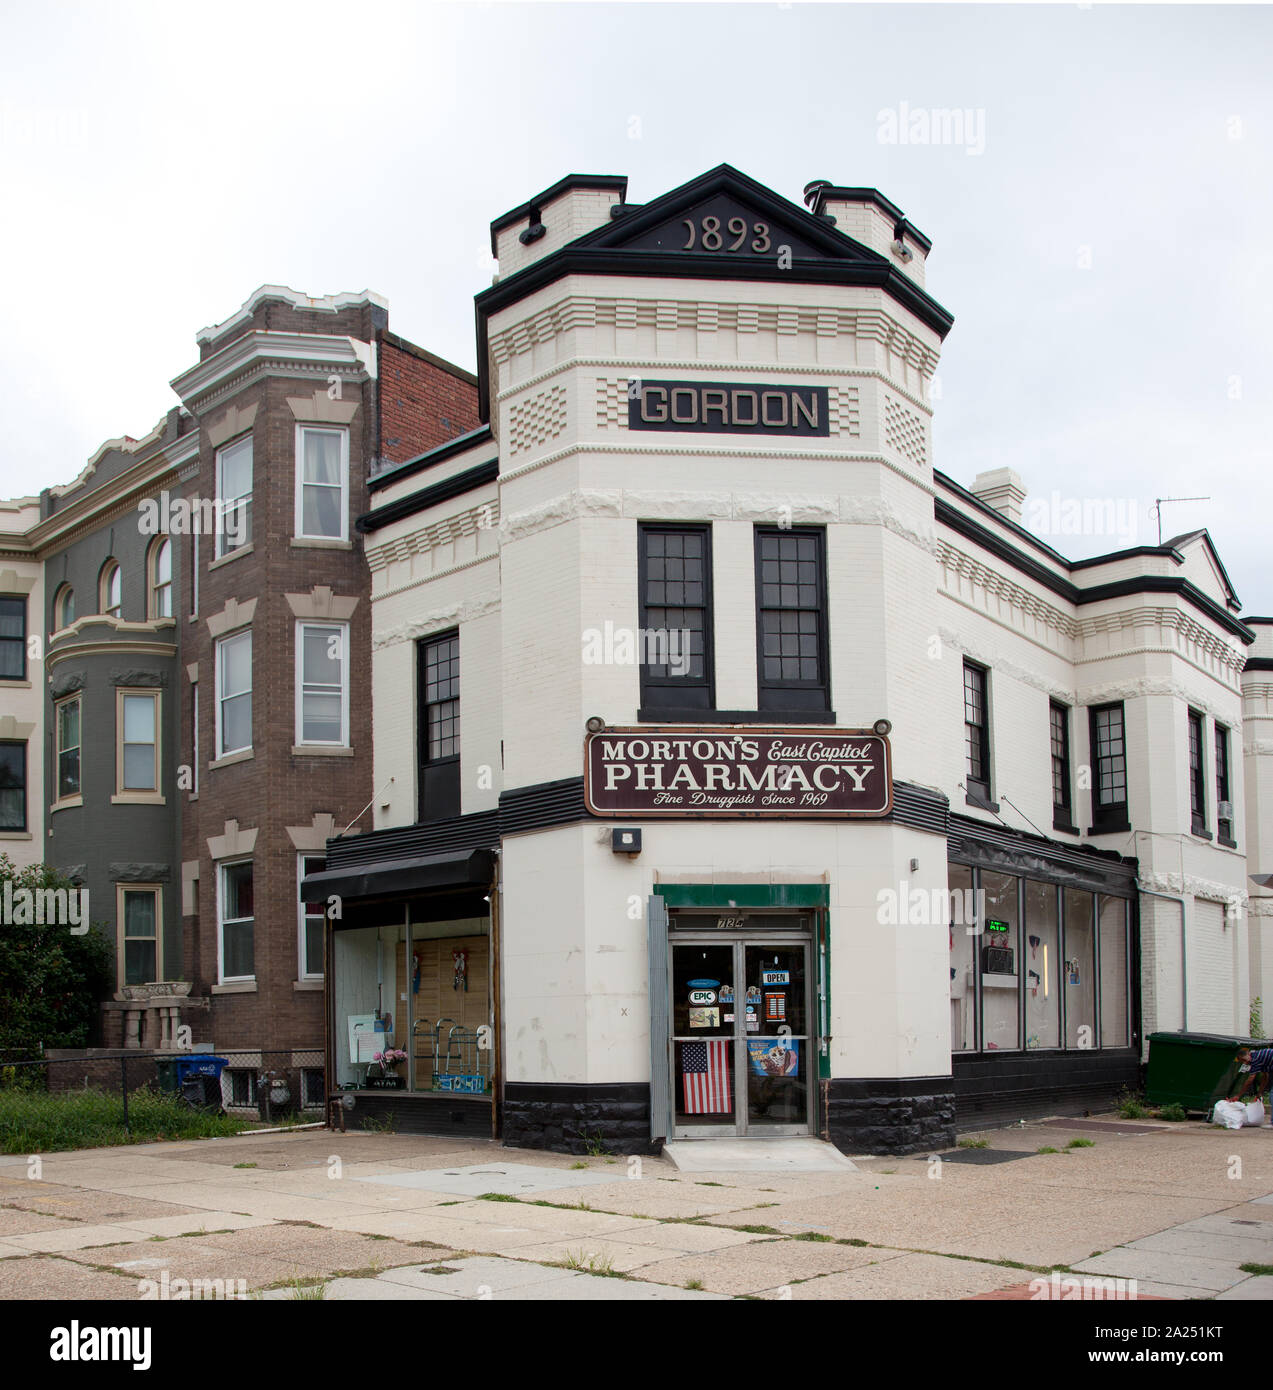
x: 274, y: 1087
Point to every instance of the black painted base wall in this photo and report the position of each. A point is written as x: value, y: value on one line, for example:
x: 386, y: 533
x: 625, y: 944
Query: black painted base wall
x: 1001, y: 1089
x: 899, y: 1116
x: 467, y: 1117
x: 612, y: 1119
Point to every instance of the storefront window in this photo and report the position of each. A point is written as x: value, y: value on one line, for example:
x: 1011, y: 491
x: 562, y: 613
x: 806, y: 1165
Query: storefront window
x: 1114, y: 1010
x: 963, y: 946
x: 1040, y: 960
x: 1078, y: 969
x: 1000, y: 961
x: 1042, y: 967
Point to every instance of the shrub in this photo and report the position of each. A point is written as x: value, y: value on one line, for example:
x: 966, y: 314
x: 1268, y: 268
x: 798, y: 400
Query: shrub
x: 50, y: 979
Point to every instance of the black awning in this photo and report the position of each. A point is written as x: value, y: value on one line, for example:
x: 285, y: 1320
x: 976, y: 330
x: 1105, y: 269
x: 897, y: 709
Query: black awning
x: 393, y: 877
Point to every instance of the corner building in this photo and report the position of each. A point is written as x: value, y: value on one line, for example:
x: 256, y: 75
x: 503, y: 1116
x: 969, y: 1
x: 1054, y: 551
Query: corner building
x: 779, y: 783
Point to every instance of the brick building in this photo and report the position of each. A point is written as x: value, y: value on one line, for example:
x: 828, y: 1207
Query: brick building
x: 207, y: 664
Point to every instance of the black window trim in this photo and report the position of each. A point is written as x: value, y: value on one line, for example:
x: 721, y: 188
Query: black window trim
x: 1063, y: 811
x: 658, y: 693
x: 977, y: 792
x: 423, y: 760
x: 1113, y: 818
x: 26, y: 786
x: 22, y: 599
x: 1224, y: 790
x: 794, y: 700
x: 1197, y: 721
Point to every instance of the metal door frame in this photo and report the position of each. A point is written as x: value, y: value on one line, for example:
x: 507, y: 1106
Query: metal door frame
x: 738, y: 940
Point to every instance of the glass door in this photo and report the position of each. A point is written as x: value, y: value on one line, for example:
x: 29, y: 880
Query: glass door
x: 778, y: 1039
x: 704, y: 1044
x: 741, y: 1046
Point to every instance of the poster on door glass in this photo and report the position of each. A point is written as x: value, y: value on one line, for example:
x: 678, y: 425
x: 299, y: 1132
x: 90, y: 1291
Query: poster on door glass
x: 704, y: 1018
x: 774, y: 1056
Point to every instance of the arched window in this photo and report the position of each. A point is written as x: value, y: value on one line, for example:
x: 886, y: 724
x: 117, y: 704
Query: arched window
x: 64, y: 607
x: 111, y: 590
x: 161, y: 578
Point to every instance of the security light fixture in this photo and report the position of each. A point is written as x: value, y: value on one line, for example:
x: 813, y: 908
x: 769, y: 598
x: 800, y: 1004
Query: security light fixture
x: 882, y: 727
x: 626, y: 841
x: 595, y: 724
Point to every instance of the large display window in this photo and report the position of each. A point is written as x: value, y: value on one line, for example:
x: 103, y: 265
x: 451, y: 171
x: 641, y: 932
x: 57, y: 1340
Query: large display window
x: 1041, y: 968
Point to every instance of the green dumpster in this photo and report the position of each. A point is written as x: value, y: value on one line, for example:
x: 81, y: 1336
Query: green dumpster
x: 167, y: 1069
x: 1194, y: 1070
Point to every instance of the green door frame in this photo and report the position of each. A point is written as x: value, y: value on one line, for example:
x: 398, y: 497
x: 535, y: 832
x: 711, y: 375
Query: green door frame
x: 809, y: 896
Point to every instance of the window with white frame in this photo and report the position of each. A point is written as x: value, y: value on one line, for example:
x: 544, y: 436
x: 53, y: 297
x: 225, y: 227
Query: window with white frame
x: 322, y: 483
x: 234, y: 694
x: 312, y: 921
x: 322, y: 683
x: 112, y: 586
x: 63, y: 608
x: 138, y: 910
x: 67, y: 719
x: 160, y: 564
x: 137, y: 748
x: 234, y: 496
x: 236, y: 915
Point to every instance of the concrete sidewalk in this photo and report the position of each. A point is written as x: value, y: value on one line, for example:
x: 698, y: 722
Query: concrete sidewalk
x: 1180, y: 1209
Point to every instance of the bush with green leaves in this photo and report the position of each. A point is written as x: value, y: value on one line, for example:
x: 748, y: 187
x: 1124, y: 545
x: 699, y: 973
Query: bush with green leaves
x: 50, y: 979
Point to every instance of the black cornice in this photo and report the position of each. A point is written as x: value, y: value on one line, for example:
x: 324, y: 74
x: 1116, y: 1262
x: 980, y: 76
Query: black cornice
x: 428, y: 497
x: 428, y: 459
x: 603, y: 252
x: 1136, y: 584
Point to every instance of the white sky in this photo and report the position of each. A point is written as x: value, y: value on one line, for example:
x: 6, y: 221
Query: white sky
x: 159, y: 162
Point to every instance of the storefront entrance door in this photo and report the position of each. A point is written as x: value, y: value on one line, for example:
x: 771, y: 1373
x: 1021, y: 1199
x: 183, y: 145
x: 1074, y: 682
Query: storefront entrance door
x: 741, y: 1045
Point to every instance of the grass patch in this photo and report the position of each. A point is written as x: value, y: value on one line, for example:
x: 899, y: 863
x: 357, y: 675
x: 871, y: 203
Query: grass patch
x: 756, y: 1230
x: 693, y: 1283
x: 1173, y: 1112
x: 578, y: 1165
x: 40, y: 1122
x: 307, y: 1293
x: 973, y: 1143
x: 1256, y: 1269
x: 440, y: 1269
x: 1081, y: 1144
x: 1047, y: 1149
x: 495, y: 1197
x: 245, y: 1165
x: 593, y: 1264
x: 813, y: 1235
x: 708, y: 1184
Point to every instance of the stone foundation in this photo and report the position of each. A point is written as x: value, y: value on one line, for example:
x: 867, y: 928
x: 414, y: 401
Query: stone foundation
x: 899, y: 1116
x: 571, y: 1119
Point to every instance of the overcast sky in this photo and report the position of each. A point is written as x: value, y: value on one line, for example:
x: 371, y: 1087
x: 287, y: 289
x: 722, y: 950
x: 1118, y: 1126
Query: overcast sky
x: 1101, y: 231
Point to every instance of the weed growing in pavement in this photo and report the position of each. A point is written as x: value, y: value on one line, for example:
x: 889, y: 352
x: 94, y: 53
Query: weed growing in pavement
x: 1131, y: 1108
x: 693, y: 1283
x: 1081, y: 1144
x: 1047, y: 1149
x: 1173, y: 1112
x: 1256, y: 1269
x: 974, y: 1143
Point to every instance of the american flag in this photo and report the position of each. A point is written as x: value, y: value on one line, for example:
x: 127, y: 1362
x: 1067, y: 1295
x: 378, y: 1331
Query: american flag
x: 705, y: 1075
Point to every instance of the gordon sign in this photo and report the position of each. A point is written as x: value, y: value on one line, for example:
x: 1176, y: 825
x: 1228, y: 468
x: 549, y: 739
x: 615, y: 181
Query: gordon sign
x: 717, y: 407
x: 654, y: 771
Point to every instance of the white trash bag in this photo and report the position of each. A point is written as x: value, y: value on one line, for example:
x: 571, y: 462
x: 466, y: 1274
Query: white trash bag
x: 1229, y: 1114
x: 1254, y: 1113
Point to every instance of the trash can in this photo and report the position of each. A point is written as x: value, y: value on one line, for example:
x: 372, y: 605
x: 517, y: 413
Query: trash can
x: 197, y: 1079
x: 167, y: 1069
x: 1194, y: 1070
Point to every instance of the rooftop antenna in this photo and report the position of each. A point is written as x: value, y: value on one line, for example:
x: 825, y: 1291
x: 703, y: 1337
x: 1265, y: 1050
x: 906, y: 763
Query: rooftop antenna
x: 1156, y: 509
